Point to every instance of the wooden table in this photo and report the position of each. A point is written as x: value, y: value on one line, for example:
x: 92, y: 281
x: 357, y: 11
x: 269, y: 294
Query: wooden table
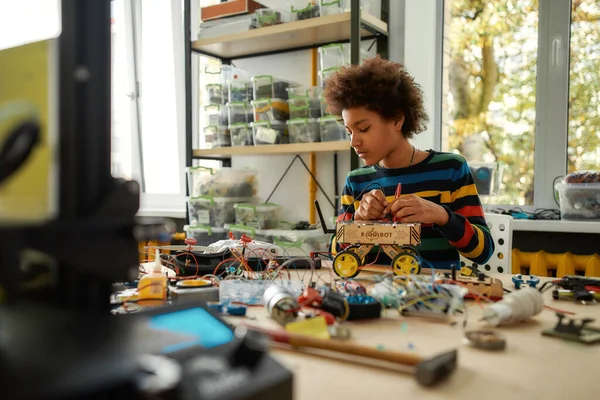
x: 532, y: 366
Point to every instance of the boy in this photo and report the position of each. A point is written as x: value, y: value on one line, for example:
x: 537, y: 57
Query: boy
x: 382, y: 108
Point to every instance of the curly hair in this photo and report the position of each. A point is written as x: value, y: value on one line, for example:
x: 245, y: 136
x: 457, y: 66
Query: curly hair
x: 381, y: 86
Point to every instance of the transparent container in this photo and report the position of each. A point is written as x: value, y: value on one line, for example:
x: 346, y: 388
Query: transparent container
x: 254, y: 233
x: 270, y: 132
x: 207, y: 138
x: 270, y: 110
x: 223, y: 182
x: 214, y: 211
x: 239, y: 112
x: 326, y: 74
x: 220, y: 135
x: 241, y: 135
x: 331, y: 7
x: 323, y: 105
x: 304, y: 130
x: 331, y: 129
x: 239, y: 90
x: 268, y: 86
x: 205, y: 235
x: 300, y: 243
x: 578, y: 201
x: 216, y: 94
x: 304, y: 107
x: 312, y: 92
x: 216, y: 115
x: 332, y: 56
x: 269, y: 17
x: 260, y: 216
x: 304, y: 9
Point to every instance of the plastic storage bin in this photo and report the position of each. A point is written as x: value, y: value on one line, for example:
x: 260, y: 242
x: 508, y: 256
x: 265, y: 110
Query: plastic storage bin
x: 323, y: 105
x: 214, y: 211
x: 216, y: 93
x: 269, y: 17
x: 261, y: 216
x: 224, y: 182
x: 300, y: 243
x: 239, y: 90
x: 312, y: 92
x: 331, y: 129
x: 205, y: 235
x: 304, y: 130
x: 578, y: 201
x: 326, y: 74
x: 304, y: 107
x: 330, y: 7
x: 220, y: 135
x: 216, y: 114
x: 270, y: 110
x: 305, y: 9
x: 270, y: 132
x: 241, y: 135
x: 239, y: 112
x: 207, y: 138
x: 332, y: 56
x: 268, y: 86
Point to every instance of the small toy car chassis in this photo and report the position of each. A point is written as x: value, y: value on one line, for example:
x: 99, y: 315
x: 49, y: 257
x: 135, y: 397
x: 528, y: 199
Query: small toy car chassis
x: 397, y: 240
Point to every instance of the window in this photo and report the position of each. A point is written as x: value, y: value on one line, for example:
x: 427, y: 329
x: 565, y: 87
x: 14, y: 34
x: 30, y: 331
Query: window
x: 584, y: 86
x: 518, y: 99
x: 148, y: 101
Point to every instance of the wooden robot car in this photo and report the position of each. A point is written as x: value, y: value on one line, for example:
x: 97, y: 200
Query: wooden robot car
x: 397, y: 240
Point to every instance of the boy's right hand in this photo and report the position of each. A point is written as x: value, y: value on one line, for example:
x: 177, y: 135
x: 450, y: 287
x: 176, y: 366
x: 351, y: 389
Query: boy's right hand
x: 373, y: 205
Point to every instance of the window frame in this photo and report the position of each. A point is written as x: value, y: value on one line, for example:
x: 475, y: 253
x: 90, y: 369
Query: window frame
x: 552, y: 99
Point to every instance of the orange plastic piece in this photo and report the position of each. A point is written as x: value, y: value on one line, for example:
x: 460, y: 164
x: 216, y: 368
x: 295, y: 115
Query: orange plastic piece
x: 546, y: 264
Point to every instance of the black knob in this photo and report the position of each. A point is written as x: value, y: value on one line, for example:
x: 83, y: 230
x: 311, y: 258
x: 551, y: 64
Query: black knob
x: 250, y: 347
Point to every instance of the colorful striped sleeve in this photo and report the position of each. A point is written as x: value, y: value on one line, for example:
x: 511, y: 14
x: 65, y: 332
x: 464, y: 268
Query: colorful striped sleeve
x: 347, y: 202
x: 466, y: 229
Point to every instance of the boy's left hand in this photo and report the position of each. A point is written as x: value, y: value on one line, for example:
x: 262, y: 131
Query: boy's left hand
x: 412, y: 208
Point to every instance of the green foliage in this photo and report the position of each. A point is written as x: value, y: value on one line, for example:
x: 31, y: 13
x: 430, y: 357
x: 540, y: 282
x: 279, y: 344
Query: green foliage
x: 492, y: 76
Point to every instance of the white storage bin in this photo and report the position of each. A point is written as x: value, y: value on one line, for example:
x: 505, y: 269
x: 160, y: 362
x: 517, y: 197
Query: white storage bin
x: 261, y: 216
x: 224, y: 182
x: 214, y: 211
x: 579, y: 201
x: 304, y: 107
x: 270, y: 110
x: 304, y: 130
x: 331, y: 129
x: 205, y: 235
x: 241, y: 135
x: 270, y: 132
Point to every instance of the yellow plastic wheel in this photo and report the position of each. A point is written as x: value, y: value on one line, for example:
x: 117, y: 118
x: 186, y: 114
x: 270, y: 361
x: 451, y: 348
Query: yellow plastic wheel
x: 406, y: 263
x: 346, y: 264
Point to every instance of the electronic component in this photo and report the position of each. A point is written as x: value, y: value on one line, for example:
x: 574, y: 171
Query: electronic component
x: 570, y: 330
x: 281, y: 304
x: 363, y: 307
x: 482, y: 285
x: 531, y: 282
x: 582, y: 287
x: 516, y: 306
x: 482, y: 339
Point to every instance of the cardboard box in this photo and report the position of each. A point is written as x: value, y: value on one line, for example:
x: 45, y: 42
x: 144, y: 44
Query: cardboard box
x: 228, y: 9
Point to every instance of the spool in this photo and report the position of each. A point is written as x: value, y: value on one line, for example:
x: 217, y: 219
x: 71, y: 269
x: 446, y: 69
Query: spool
x: 517, y: 306
x: 281, y: 304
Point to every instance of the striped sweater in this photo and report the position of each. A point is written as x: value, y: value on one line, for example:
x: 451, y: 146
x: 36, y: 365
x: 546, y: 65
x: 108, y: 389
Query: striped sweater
x: 445, y: 179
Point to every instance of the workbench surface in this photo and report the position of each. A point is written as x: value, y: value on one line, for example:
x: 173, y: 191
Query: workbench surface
x: 531, y: 367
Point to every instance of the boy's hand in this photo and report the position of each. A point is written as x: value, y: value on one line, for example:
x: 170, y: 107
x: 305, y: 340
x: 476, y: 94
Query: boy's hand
x: 412, y: 208
x: 373, y: 205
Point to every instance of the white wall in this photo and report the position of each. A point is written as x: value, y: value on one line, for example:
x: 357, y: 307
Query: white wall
x: 293, y: 192
x: 420, y: 58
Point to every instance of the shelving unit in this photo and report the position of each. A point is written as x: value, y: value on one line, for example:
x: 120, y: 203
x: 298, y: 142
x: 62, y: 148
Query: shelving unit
x: 352, y: 27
